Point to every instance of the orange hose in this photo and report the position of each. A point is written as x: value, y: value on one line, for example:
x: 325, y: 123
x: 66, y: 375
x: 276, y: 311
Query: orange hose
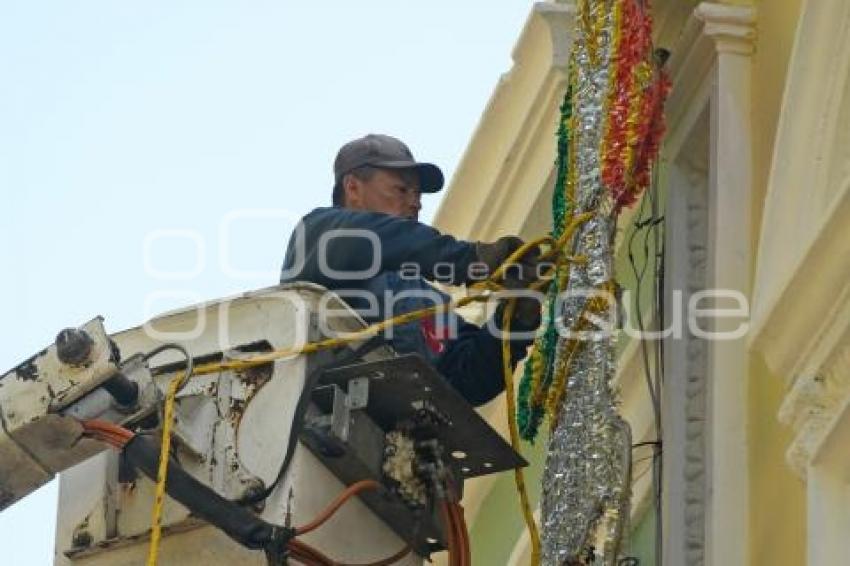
x: 307, y: 554
x: 102, y: 433
x: 465, y: 532
x: 450, y: 533
x: 311, y: 556
x: 92, y: 425
x: 461, y: 541
x: 385, y: 561
x: 326, y: 514
x: 458, y: 557
x: 463, y: 535
x: 458, y: 543
x: 105, y: 431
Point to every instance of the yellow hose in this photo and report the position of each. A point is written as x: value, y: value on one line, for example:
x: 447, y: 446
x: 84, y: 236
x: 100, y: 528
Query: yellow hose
x: 519, y: 478
x: 162, y: 470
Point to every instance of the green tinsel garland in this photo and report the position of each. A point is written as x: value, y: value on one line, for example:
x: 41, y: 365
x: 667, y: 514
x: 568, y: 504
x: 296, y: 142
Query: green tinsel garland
x: 530, y: 411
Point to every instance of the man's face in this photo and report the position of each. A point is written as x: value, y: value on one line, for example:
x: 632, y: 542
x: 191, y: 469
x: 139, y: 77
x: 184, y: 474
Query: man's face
x: 390, y: 191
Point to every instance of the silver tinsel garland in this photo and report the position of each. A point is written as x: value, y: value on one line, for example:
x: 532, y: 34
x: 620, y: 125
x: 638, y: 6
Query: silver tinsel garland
x: 586, y: 479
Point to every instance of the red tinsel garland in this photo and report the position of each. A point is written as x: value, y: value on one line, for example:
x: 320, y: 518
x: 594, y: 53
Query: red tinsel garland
x: 635, y: 111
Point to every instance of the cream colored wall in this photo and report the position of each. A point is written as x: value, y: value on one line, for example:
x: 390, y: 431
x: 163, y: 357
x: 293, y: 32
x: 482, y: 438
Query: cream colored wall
x: 777, y: 24
x: 777, y: 495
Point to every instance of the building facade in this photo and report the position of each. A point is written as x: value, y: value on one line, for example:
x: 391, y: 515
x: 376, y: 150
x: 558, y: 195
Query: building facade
x: 752, y: 196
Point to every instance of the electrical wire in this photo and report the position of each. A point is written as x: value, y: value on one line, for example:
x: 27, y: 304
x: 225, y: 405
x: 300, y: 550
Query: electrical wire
x: 407, y: 549
x: 312, y: 554
x: 118, y: 436
x: 307, y: 554
x: 451, y: 534
x: 519, y: 478
x: 658, y: 469
x: 651, y: 224
x: 348, y: 356
x: 639, y: 274
x: 174, y: 386
x: 460, y: 522
x: 333, y: 506
x: 463, y: 543
x: 190, y: 362
x: 105, y: 431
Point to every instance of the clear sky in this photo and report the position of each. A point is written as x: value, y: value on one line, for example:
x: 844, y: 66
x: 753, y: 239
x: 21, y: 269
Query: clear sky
x: 151, y: 153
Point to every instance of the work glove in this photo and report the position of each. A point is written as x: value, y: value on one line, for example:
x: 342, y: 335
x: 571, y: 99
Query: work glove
x: 518, y: 276
x: 522, y: 273
x: 494, y: 254
x: 522, y: 276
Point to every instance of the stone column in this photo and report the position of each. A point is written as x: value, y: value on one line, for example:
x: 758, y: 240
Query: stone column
x: 710, y: 247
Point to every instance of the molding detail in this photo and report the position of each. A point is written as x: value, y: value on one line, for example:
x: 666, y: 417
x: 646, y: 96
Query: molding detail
x: 686, y: 464
x: 696, y: 387
x: 812, y: 407
x: 801, y: 297
x: 559, y: 17
x: 731, y: 27
x: 709, y: 117
x: 711, y: 30
x: 812, y: 314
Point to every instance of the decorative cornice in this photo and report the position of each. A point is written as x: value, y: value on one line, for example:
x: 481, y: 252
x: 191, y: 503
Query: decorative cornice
x: 798, y: 331
x: 812, y: 407
x: 712, y: 29
x: 801, y: 296
x: 731, y: 27
x: 560, y: 17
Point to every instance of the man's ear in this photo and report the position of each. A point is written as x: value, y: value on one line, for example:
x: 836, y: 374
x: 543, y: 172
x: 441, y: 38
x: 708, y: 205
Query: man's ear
x: 352, y: 191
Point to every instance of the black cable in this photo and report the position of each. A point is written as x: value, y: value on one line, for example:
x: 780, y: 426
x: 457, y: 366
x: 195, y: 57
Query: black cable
x: 657, y: 462
x: 654, y: 231
x: 660, y: 265
x: 237, y: 522
x: 124, y: 390
x: 639, y: 275
x: 190, y: 362
x: 651, y: 224
x: 346, y: 357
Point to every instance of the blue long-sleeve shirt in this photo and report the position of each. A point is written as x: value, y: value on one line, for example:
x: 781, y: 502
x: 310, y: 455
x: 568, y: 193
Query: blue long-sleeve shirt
x: 380, y: 265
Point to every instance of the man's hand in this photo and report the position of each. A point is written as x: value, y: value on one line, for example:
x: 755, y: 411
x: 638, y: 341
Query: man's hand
x: 522, y: 276
x: 522, y: 272
x: 495, y: 253
x: 519, y: 275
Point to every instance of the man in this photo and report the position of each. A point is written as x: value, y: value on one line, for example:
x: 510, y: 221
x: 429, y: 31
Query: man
x: 371, y: 250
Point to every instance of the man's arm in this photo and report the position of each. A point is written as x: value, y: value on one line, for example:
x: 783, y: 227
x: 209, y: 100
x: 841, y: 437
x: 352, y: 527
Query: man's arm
x: 473, y: 365
x: 332, y: 233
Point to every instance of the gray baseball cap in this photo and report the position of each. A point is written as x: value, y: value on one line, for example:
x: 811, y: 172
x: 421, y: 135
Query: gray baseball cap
x: 378, y: 150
